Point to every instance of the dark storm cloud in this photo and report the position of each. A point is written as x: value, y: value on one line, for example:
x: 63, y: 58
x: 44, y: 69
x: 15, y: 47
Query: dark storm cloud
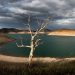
x: 17, y: 9
x: 57, y: 7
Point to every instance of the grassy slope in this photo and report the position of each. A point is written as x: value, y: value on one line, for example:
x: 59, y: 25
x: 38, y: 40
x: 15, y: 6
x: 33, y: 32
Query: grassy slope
x: 37, y: 68
x: 4, y: 39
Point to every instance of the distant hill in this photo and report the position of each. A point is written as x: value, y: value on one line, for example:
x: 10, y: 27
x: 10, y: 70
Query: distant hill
x: 63, y: 32
x: 14, y: 30
x: 8, y: 30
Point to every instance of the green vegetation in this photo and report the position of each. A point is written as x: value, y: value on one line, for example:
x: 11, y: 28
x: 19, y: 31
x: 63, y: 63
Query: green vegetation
x: 38, y: 68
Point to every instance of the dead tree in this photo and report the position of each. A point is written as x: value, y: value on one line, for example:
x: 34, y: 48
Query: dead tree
x: 34, y: 43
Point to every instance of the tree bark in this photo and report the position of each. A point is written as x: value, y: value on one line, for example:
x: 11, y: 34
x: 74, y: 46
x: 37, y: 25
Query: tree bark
x: 32, y: 50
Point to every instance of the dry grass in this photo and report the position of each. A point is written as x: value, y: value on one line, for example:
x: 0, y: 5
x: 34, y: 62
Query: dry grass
x: 38, y: 68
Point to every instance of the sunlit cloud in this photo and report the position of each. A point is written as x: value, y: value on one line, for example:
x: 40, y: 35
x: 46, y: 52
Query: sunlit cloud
x: 65, y: 21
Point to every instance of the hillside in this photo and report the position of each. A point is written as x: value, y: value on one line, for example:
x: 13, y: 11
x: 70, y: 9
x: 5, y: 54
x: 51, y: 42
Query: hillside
x: 5, y: 39
x: 63, y: 32
x: 8, y: 30
x: 19, y: 31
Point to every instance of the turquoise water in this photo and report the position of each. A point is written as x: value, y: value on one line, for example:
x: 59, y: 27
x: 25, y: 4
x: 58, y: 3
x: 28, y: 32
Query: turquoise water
x: 52, y: 46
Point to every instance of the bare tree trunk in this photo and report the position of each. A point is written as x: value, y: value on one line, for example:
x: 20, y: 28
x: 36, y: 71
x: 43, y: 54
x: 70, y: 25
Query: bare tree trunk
x: 32, y: 50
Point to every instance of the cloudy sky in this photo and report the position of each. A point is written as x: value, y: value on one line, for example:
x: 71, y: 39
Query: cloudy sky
x: 13, y: 12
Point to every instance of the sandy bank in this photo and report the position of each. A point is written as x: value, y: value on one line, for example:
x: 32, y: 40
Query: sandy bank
x: 23, y: 59
x: 25, y: 33
x: 62, y: 33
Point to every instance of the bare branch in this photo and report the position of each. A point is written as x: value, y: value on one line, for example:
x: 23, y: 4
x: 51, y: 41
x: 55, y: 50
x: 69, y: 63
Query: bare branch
x: 38, y: 21
x: 29, y: 25
x: 43, y: 26
x: 37, y: 42
x: 21, y: 40
x: 22, y: 45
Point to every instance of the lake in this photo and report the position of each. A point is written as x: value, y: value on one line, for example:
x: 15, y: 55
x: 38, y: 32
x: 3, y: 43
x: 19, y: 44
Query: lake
x: 51, y: 46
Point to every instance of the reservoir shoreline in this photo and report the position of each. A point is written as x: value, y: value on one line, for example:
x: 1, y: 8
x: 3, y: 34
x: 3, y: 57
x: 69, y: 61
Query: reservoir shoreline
x: 35, y: 59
